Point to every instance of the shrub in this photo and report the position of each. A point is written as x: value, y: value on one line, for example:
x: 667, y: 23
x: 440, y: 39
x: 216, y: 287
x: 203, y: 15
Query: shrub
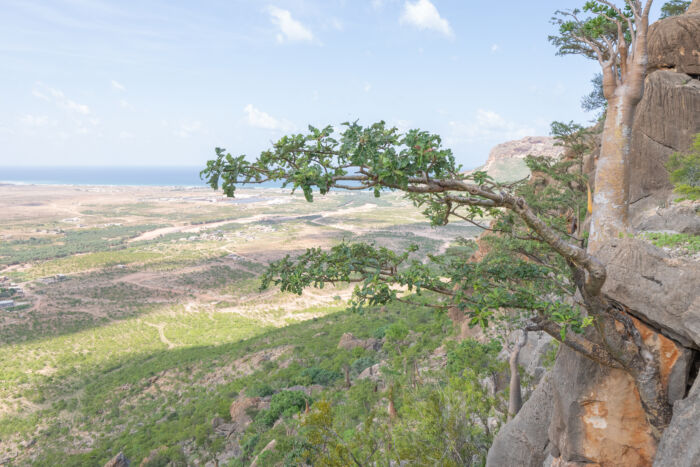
x: 685, y: 171
x: 259, y: 389
x: 361, y: 363
x: 285, y: 403
x: 316, y: 375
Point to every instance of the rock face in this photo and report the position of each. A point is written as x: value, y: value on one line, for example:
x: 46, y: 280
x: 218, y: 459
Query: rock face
x: 674, y: 43
x: 240, y: 419
x: 119, y: 460
x: 666, y: 121
x: 349, y: 342
x: 680, y: 444
x: 661, y: 290
x: 506, y: 161
x: 593, y: 414
x: 682, y: 217
x: 523, y: 441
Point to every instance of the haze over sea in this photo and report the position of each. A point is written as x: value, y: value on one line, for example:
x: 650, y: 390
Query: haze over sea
x: 139, y: 176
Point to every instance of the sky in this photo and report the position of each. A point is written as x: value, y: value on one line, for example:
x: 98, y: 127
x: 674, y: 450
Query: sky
x: 162, y: 83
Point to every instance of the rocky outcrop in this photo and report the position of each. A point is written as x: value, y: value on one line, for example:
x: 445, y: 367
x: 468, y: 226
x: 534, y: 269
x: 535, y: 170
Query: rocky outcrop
x: 349, y: 342
x: 674, y: 43
x: 681, y: 217
x: 680, y: 444
x: 240, y: 413
x: 119, y: 460
x: 597, y: 416
x: 661, y: 290
x: 666, y: 120
x: 523, y: 441
x: 506, y: 160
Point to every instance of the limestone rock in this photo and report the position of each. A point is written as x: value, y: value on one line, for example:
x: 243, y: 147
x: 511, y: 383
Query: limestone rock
x: 661, y: 290
x: 349, y: 342
x: 240, y: 419
x: 119, y: 460
x: 666, y: 120
x: 523, y: 441
x: 597, y: 415
x: 680, y: 443
x: 683, y: 217
x: 674, y: 43
x: 506, y: 160
x: 532, y: 354
x: 373, y: 373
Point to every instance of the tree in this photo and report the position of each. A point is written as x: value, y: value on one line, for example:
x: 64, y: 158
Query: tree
x: 595, y: 100
x: 674, y: 8
x: 530, y: 281
x: 617, y: 38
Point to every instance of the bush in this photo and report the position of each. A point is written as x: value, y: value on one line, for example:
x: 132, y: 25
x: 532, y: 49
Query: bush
x: 685, y: 171
x: 316, y: 375
x: 470, y: 354
x: 285, y: 403
x: 259, y: 390
x: 361, y: 363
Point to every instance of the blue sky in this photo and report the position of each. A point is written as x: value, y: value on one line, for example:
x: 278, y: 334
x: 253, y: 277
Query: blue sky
x: 91, y: 82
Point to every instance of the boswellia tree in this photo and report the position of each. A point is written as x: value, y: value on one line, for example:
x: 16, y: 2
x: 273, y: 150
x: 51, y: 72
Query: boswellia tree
x: 542, y: 272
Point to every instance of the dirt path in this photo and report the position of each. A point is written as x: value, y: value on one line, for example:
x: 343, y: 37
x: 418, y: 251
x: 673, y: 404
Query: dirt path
x: 161, y: 333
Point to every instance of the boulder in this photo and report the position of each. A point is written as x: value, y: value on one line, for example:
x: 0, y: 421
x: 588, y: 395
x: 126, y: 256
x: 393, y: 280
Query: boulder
x: 523, y: 441
x: 680, y: 443
x: 597, y: 415
x: 674, y: 43
x: 373, y: 373
x: 681, y: 217
x: 666, y: 121
x: 660, y: 290
x: 349, y: 342
x: 119, y: 460
x: 240, y: 408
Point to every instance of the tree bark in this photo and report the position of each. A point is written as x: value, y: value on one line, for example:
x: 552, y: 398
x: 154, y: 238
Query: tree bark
x: 515, y: 399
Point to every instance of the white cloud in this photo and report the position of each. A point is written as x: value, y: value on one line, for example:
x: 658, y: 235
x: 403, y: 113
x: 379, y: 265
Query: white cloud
x: 367, y: 87
x: 259, y: 119
x: 488, y: 126
x: 291, y: 30
x: 124, y: 104
x: 495, y: 48
x: 118, y: 86
x: 423, y: 15
x: 125, y: 135
x: 34, y: 120
x: 188, y: 128
x: 59, y: 98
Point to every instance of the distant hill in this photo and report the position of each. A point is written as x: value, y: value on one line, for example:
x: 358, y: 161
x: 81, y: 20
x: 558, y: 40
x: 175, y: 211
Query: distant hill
x: 506, y: 161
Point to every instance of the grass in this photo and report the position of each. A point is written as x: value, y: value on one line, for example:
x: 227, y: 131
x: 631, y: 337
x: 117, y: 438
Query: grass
x: 687, y: 242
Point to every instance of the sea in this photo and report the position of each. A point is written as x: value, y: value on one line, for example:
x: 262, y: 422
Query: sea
x: 114, y: 176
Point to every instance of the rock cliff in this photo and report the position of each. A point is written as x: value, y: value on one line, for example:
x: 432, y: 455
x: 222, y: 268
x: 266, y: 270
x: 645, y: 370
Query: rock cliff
x: 583, y: 413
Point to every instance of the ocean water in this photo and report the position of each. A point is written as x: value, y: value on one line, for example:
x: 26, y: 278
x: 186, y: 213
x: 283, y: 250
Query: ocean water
x: 138, y: 176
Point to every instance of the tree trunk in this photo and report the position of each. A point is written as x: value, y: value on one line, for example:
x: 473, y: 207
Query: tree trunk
x: 611, y: 189
x: 515, y: 399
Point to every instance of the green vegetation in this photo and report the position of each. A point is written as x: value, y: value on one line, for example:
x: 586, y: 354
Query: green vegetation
x: 674, y: 8
x: 685, y: 171
x: 67, y: 243
x: 687, y: 242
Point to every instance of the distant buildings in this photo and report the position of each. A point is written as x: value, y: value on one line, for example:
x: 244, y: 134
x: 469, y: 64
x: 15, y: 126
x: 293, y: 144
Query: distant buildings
x: 52, y: 279
x: 7, y: 303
